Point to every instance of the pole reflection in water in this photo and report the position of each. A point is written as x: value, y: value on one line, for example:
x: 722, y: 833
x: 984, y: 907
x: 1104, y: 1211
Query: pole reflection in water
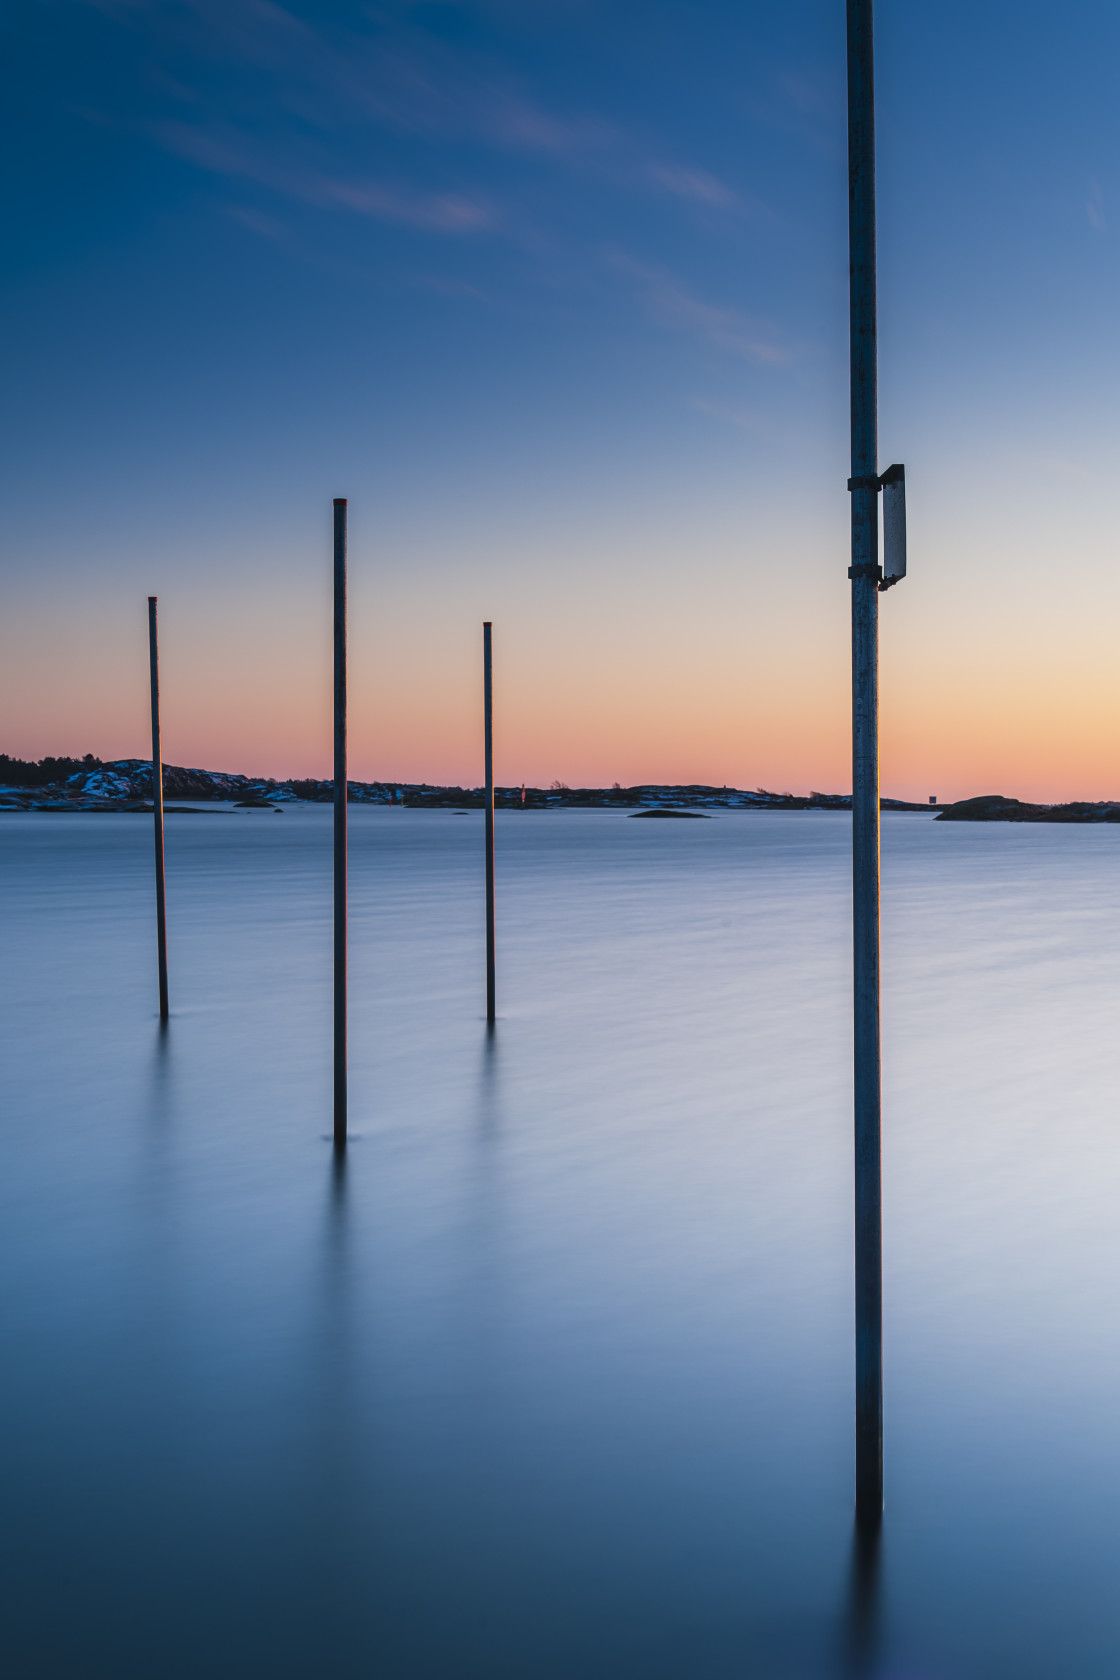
x: 480, y: 1293
x: 161, y: 1072
x: 862, y: 1623
x: 488, y: 1087
x: 153, y: 1233
x: 336, y: 1464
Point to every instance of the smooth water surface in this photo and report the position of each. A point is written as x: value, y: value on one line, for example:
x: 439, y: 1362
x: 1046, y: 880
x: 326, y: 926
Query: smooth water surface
x: 552, y: 1379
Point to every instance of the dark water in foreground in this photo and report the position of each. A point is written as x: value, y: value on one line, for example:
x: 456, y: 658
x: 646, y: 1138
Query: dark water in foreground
x: 554, y: 1381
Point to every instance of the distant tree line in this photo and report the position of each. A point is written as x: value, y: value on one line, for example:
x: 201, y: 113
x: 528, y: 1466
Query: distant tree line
x: 22, y: 772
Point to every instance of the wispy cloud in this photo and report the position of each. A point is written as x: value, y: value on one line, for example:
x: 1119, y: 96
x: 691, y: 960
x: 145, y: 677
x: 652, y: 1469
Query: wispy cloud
x: 807, y: 103
x: 334, y: 84
x: 1094, y: 209
x: 256, y: 221
x: 813, y: 95
x: 226, y: 153
x: 696, y: 184
x: 668, y: 303
x: 447, y: 286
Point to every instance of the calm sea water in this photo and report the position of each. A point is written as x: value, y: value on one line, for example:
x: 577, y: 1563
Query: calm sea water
x: 553, y: 1381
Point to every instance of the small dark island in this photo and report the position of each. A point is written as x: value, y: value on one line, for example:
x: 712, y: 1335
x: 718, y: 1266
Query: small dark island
x: 996, y: 807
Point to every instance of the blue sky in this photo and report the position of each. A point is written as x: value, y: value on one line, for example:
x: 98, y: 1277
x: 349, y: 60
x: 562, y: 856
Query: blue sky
x: 557, y: 294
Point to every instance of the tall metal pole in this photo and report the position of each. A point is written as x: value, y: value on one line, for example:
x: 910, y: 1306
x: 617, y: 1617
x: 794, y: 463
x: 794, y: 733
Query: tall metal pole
x: 157, y: 808
x: 488, y: 712
x: 340, y: 815
x: 865, y: 764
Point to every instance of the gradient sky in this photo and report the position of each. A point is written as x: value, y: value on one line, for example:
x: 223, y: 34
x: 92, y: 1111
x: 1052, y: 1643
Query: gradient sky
x: 555, y: 291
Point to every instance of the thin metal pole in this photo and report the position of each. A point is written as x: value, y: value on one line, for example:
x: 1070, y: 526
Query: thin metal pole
x: 340, y: 816
x: 865, y: 765
x: 157, y: 808
x: 488, y: 712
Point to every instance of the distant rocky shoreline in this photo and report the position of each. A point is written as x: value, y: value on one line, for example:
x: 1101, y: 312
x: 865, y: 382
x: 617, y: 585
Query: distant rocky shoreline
x: 126, y: 785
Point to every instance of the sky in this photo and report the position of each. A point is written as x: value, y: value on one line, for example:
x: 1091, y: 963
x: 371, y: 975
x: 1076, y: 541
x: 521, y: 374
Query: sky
x: 555, y: 292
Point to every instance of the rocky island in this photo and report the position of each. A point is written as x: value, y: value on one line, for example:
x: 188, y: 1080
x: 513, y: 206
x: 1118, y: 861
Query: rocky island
x: 996, y: 807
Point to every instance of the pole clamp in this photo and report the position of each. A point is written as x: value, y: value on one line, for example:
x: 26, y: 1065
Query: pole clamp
x: 870, y: 481
x: 866, y: 570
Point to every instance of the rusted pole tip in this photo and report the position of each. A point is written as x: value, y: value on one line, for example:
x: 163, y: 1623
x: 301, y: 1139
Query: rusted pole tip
x: 340, y: 501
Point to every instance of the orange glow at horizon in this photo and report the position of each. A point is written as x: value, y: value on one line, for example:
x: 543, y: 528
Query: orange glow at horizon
x: 612, y: 664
